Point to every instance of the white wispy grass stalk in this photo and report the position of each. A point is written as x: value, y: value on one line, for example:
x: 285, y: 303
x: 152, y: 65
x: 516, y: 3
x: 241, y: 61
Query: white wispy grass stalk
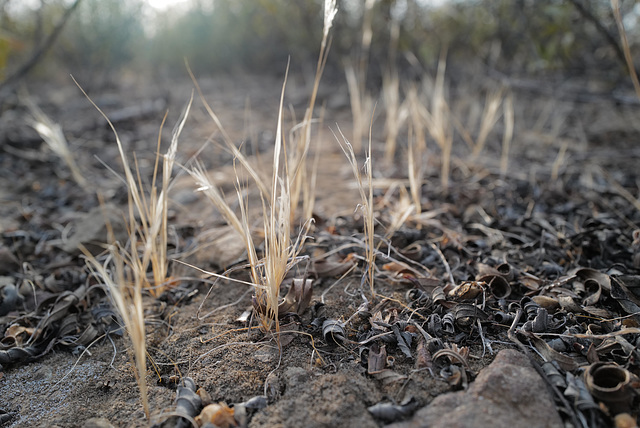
x: 53, y: 136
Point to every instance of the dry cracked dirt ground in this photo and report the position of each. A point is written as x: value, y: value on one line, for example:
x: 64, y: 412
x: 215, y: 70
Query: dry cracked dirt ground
x: 512, y: 299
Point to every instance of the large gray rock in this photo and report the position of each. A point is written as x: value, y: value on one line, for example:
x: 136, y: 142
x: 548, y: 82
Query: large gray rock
x: 508, y: 393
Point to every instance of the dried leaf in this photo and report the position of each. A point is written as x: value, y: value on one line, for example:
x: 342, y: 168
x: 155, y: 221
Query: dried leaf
x: 218, y: 414
x: 377, y: 360
x: 549, y: 354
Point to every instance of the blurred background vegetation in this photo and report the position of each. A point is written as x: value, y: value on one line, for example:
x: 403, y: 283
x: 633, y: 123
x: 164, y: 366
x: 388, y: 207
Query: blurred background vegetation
x: 517, y: 37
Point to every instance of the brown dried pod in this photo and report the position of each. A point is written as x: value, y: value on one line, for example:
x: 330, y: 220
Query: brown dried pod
x: 218, y: 414
x: 569, y: 305
x: 377, y: 360
x: 498, y: 285
x: 333, y: 332
x: 468, y: 290
x: 423, y: 356
x: 507, y: 271
x: 610, y: 384
x: 594, y: 290
x: 485, y: 270
x: 437, y: 295
x: 547, y: 302
x: 298, y: 297
x: 455, y: 376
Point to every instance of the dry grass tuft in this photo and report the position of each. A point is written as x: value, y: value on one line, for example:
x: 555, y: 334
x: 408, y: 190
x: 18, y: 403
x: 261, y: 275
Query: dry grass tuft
x: 280, y: 254
x: 124, y: 270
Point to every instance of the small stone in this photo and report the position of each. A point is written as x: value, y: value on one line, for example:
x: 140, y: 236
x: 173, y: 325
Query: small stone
x: 508, y: 393
x: 97, y: 423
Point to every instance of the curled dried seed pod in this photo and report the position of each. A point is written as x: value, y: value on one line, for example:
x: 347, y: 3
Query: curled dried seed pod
x: 595, y: 289
x: 507, y: 271
x: 392, y: 412
x: 434, y: 325
x: 448, y: 323
x: 530, y: 307
x: 504, y: 318
x: 569, y: 305
x: 218, y: 414
x: 467, y: 290
x: 417, y: 297
x: 498, y: 285
x: 554, y: 375
x: 377, y: 359
x: 466, y: 314
x: 333, y: 332
x: 455, y: 376
x: 539, y: 323
x: 256, y: 403
x: 610, y: 384
x: 437, y: 295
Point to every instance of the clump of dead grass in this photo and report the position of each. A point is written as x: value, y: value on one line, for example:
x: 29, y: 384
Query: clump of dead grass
x: 124, y: 268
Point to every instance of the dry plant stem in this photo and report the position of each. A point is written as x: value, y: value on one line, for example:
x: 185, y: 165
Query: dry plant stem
x: 417, y: 148
x: 490, y: 116
x: 507, y: 136
x: 615, y: 4
x: 391, y: 95
x: 366, y: 196
x: 298, y: 175
x: 437, y: 122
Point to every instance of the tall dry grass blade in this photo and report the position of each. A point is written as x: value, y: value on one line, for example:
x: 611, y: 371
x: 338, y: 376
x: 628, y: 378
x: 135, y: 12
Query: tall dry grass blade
x: 391, y: 96
x: 615, y: 4
x: 366, y: 197
x: 299, y: 175
x: 53, y: 136
x: 490, y: 117
x: 356, y: 102
x: 507, y: 136
x: 417, y: 148
x: 255, y: 174
x: 438, y: 123
x: 147, y: 223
